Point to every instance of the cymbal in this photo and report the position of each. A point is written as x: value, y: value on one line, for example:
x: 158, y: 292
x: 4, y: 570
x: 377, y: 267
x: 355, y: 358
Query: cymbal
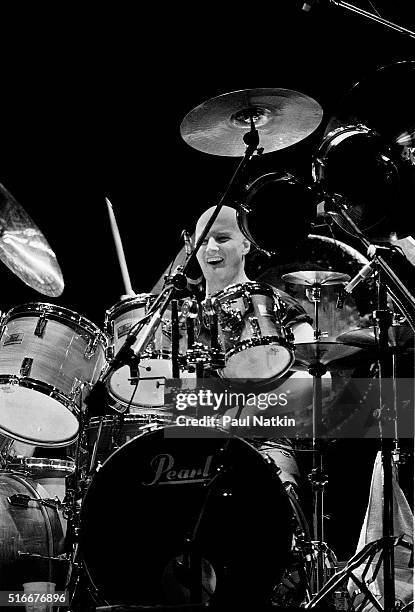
x: 282, y: 117
x: 24, y: 249
x: 399, y: 336
x: 326, y: 353
x: 326, y: 253
x: 316, y: 277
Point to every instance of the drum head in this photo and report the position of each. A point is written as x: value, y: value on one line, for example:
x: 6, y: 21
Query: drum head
x: 35, y: 418
x: 147, y: 499
x: 150, y: 388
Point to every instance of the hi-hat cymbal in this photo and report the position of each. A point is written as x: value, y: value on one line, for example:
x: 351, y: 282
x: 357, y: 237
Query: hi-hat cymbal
x: 399, y: 336
x: 320, y: 352
x: 25, y: 250
x: 316, y: 277
x: 282, y: 117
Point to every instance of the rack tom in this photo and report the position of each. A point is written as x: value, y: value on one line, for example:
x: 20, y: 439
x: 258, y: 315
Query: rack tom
x: 250, y: 331
x: 141, y: 385
x: 49, y: 356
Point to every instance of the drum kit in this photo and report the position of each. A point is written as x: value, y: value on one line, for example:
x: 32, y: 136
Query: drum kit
x: 112, y: 522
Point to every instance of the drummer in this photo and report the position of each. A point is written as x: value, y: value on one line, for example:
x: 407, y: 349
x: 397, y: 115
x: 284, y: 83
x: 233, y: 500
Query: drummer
x: 222, y: 260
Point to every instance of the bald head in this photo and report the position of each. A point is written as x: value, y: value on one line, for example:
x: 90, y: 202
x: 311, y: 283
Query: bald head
x: 222, y: 255
x: 226, y: 219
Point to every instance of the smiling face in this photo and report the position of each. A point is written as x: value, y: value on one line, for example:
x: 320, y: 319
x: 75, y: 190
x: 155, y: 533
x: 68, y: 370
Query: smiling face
x: 222, y: 254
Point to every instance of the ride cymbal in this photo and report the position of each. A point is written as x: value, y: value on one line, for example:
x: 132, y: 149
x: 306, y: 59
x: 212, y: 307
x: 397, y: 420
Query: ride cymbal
x: 282, y: 117
x: 24, y: 249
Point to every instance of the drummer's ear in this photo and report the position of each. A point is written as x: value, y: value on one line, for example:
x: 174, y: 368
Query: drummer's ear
x: 246, y: 245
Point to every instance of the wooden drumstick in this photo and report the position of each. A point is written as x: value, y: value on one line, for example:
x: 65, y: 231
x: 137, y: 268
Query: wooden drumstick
x: 120, y: 251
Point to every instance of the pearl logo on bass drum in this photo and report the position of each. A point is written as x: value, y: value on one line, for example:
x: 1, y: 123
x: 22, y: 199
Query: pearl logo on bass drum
x: 164, y: 472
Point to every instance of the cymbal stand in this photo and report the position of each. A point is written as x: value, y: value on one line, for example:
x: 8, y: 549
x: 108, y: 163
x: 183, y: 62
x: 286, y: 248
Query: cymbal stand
x: 317, y: 477
x: 386, y: 281
x: 313, y: 294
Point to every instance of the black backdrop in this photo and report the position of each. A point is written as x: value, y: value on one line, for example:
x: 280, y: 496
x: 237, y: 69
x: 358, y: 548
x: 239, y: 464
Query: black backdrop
x: 91, y: 106
x: 91, y: 103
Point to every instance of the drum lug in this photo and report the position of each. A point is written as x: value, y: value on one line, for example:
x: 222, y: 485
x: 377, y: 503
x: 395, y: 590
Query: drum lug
x: 76, y: 388
x: 246, y: 298
x: 256, y: 330
x: 289, y: 334
x: 231, y: 320
x: 109, y: 353
x: 92, y: 347
x: 41, y: 326
x: 26, y: 367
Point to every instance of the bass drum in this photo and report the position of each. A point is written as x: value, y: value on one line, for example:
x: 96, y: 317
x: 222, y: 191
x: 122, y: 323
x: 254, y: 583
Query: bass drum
x: 161, y: 488
x: 30, y: 528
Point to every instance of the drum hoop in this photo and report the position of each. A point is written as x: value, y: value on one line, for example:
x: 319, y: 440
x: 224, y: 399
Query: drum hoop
x: 263, y: 341
x: 133, y: 440
x: 53, y: 392
x: 123, y: 402
x: 130, y: 418
x: 126, y: 305
x: 38, y: 463
x: 352, y: 130
x: 57, y: 313
x: 253, y: 287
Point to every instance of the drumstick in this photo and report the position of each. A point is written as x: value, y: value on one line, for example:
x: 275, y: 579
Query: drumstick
x: 120, y: 251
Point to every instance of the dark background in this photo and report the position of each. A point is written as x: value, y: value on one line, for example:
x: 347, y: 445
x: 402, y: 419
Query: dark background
x: 91, y: 104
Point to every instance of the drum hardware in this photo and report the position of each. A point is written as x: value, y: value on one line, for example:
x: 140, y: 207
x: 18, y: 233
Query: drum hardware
x: 386, y: 281
x: 352, y: 8
x: 318, y: 358
x: 24, y: 500
x: 203, y: 358
x: 313, y: 281
x: 367, y: 554
x: 24, y: 249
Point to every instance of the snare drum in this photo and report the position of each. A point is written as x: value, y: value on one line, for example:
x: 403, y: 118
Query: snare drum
x: 251, y: 333
x: 48, y: 354
x: 141, y: 385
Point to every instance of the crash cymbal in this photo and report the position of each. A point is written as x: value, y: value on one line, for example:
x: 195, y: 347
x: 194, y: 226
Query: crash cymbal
x: 326, y: 353
x: 282, y: 117
x: 25, y: 250
x: 367, y: 152
x: 316, y: 277
x: 400, y: 337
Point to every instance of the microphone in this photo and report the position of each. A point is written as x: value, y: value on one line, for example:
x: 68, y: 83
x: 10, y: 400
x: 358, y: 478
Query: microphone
x: 194, y: 273
x: 362, y: 275
x: 187, y: 243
